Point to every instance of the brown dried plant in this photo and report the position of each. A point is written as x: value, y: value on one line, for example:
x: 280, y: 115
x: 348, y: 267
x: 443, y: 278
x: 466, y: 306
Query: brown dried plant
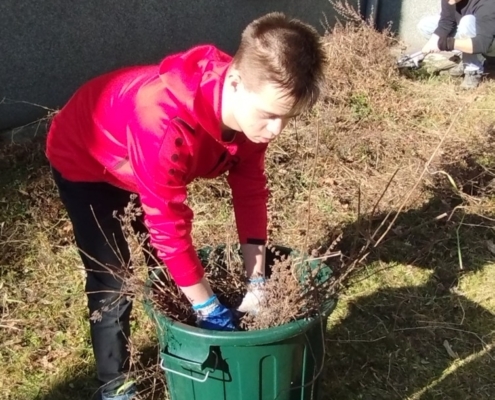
x: 292, y: 291
x: 363, y: 90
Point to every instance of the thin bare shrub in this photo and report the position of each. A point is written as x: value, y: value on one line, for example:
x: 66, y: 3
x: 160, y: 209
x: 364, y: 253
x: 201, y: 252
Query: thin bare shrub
x: 293, y: 291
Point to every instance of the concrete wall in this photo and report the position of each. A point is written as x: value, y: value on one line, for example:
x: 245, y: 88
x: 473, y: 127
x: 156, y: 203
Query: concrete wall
x: 405, y: 15
x: 49, y: 48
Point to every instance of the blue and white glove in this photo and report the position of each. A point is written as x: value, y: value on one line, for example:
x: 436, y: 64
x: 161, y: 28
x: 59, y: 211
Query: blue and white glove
x: 214, y: 316
x: 254, y: 297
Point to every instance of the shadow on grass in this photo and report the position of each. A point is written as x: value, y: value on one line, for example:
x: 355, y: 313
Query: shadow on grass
x: 29, y: 203
x: 84, y: 385
x: 426, y: 340
x: 490, y: 67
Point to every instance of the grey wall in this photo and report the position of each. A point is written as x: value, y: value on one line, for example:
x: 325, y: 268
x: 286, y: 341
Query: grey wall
x: 49, y: 48
x: 405, y: 15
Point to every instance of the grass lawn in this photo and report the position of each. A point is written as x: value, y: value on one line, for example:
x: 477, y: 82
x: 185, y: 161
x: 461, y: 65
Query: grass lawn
x: 415, y: 319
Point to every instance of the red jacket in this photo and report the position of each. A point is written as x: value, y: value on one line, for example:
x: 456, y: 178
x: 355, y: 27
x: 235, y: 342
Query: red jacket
x: 152, y: 130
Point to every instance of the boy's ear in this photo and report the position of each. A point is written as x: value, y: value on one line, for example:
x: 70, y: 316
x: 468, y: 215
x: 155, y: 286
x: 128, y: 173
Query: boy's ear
x: 234, y: 79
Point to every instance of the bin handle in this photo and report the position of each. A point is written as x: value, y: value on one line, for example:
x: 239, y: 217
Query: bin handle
x: 201, y: 380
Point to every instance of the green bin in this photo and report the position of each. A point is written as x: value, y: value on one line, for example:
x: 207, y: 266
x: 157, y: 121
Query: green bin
x: 282, y: 363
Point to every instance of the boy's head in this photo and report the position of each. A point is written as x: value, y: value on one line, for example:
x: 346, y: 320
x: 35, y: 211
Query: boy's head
x: 276, y: 74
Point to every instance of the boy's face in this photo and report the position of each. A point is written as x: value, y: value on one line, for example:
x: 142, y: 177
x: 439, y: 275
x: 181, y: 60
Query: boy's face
x: 261, y: 114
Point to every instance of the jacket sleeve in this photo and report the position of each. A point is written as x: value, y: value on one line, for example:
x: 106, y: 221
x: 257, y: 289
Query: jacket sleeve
x: 160, y: 163
x: 485, y: 28
x: 447, y: 23
x: 247, y: 181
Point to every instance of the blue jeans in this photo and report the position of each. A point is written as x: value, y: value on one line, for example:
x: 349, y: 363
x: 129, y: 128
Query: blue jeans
x: 465, y: 29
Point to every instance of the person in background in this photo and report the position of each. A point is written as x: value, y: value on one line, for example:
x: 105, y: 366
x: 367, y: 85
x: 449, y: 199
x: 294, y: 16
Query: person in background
x: 152, y: 130
x: 467, y: 27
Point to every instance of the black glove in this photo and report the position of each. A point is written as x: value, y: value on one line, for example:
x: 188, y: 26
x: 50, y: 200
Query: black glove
x: 446, y: 43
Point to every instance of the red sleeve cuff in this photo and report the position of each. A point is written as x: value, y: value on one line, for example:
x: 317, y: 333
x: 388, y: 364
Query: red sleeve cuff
x: 253, y: 237
x: 185, y: 268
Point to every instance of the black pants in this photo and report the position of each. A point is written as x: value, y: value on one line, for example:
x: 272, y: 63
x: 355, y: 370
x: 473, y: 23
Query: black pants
x: 105, y: 255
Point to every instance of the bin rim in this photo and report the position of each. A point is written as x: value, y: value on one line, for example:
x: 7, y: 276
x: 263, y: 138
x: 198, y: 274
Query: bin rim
x: 244, y: 338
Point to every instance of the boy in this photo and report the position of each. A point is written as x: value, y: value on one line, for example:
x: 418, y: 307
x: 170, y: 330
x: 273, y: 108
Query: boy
x: 152, y: 130
x: 466, y: 26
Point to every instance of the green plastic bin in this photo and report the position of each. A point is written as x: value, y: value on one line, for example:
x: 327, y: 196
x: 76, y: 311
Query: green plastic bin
x: 280, y: 363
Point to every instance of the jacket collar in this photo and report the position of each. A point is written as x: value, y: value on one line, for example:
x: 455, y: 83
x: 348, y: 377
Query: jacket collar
x: 196, y: 77
x: 208, y: 99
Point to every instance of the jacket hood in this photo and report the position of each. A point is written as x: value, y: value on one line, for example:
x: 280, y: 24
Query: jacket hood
x: 201, y: 73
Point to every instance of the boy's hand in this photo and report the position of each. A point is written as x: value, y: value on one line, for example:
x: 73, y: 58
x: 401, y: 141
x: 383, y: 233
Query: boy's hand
x: 254, y: 297
x: 215, y: 316
x: 432, y: 45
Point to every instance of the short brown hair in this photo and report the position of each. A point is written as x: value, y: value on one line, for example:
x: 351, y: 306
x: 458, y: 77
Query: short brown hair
x: 285, y: 52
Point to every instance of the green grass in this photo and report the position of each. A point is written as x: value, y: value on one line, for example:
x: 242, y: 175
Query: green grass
x: 386, y: 339
x: 410, y: 324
